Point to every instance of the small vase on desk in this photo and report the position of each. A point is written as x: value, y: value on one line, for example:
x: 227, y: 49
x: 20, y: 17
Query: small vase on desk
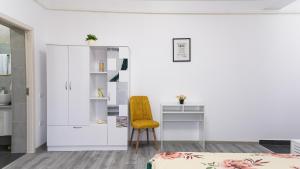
x: 181, y: 101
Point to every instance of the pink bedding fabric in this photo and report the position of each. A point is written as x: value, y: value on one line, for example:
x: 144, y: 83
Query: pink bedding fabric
x: 196, y: 160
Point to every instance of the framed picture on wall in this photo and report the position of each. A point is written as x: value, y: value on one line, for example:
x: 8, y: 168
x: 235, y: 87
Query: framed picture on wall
x: 181, y: 49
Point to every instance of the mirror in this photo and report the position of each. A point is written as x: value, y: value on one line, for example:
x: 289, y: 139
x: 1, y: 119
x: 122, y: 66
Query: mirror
x: 5, y: 50
x: 5, y: 64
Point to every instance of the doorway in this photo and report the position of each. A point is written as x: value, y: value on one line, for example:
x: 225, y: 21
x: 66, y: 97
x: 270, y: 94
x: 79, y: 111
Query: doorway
x: 13, y: 100
x: 17, y: 84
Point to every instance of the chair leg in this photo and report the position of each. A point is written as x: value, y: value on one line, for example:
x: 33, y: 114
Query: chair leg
x: 147, y: 136
x: 137, y: 141
x: 131, y: 136
x: 154, y: 136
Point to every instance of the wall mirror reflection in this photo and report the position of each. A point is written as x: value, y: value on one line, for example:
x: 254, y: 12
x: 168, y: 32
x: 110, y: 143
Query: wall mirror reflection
x: 5, y: 51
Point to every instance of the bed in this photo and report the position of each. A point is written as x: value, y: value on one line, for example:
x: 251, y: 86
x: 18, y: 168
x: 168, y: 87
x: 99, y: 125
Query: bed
x: 196, y: 160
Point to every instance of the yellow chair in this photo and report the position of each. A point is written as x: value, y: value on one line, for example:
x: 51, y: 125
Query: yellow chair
x: 141, y: 118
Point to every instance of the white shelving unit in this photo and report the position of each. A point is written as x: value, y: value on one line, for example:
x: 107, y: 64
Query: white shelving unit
x: 77, y: 117
x: 98, y: 105
x: 177, y: 115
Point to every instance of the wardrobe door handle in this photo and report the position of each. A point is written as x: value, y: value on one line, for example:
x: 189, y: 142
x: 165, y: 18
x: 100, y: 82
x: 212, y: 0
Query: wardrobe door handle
x: 66, y: 85
x: 70, y: 86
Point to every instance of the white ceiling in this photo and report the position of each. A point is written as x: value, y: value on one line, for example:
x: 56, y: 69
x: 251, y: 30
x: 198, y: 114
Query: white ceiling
x: 165, y: 6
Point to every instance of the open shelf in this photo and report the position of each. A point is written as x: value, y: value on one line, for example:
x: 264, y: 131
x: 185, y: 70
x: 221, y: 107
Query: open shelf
x: 98, y: 73
x: 97, y: 82
x: 110, y: 106
x: 98, y: 55
x: 98, y: 110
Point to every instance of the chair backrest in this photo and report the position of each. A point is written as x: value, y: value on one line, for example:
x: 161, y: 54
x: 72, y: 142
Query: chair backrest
x: 140, y: 108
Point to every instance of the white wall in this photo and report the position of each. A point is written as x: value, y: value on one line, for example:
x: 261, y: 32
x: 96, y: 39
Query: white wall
x: 245, y: 68
x: 28, y: 12
x: 294, y: 6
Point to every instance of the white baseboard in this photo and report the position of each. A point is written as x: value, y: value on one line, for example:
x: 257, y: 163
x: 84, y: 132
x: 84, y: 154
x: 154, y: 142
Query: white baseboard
x: 85, y: 148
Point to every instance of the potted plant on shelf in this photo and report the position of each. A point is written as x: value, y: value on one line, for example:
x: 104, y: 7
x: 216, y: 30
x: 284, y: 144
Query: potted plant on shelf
x: 181, y: 98
x: 91, y: 39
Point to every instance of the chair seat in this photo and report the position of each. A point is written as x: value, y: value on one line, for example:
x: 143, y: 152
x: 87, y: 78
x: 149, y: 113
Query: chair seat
x: 141, y: 124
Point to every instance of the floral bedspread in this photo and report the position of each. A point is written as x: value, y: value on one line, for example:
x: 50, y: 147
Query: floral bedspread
x: 193, y: 160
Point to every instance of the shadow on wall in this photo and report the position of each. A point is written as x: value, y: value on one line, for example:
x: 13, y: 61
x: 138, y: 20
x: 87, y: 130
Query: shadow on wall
x: 41, y: 133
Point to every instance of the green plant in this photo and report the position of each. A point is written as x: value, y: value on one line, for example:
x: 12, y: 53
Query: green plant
x: 181, y: 97
x: 91, y: 37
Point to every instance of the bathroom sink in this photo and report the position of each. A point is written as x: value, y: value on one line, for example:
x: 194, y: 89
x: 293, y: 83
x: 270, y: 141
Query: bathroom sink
x: 5, y: 99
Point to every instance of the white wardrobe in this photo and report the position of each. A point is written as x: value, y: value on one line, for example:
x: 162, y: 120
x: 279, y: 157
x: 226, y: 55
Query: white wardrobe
x: 87, y: 97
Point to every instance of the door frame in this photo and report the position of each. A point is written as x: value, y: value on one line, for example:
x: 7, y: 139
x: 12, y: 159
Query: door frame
x: 30, y: 77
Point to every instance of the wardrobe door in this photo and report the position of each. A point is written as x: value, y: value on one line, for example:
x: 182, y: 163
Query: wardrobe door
x: 57, y: 85
x: 78, y: 85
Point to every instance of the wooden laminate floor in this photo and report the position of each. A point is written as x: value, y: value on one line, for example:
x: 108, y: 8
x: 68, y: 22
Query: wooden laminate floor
x: 121, y: 159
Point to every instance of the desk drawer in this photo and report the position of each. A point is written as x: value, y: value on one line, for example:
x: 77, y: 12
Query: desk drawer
x: 77, y: 135
x: 183, y: 117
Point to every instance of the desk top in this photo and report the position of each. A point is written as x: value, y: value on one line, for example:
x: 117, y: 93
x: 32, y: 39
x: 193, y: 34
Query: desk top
x: 177, y: 104
x: 176, y: 108
x: 183, y: 112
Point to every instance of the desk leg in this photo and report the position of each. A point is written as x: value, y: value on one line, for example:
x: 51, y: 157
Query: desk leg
x: 201, y: 130
x: 161, y: 132
x: 203, y: 136
x: 161, y: 137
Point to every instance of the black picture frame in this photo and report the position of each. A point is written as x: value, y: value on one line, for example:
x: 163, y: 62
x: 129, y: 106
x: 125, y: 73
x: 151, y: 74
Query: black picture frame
x: 189, y: 49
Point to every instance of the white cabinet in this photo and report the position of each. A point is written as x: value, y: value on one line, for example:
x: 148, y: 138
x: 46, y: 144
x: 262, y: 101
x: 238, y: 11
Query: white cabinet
x: 87, y: 106
x: 57, y: 85
x: 5, y: 121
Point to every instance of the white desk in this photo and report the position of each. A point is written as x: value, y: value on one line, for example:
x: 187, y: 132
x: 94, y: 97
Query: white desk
x: 182, y: 114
